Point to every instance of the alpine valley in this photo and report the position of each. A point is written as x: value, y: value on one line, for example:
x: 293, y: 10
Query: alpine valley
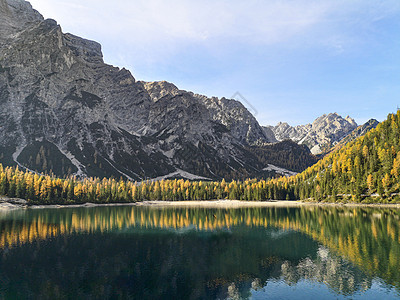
x: 114, y: 188
x: 64, y: 111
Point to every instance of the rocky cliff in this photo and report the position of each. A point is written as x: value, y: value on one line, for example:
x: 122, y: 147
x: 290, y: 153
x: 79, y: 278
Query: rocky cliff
x: 356, y: 133
x: 63, y: 110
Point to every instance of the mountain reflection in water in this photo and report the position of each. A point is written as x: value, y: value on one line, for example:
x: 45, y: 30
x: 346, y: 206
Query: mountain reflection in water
x: 192, y: 253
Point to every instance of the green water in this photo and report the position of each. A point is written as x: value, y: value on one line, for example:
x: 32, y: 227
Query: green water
x: 197, y: 253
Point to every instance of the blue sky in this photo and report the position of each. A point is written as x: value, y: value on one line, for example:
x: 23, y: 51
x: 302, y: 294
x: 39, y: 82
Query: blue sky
x: 292, y: 60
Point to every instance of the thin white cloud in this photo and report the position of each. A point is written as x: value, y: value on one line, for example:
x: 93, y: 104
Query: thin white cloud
x: 219, y: 46
x: 169, y: 24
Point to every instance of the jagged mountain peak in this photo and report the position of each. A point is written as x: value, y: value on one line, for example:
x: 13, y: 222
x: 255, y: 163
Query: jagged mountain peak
x: 84, y: 48
x: 357, y: 132
x: 325, y: 130
x: 160, y: 89
x: 331, y: 117
x: 283, y: 124
x: 350, y: 120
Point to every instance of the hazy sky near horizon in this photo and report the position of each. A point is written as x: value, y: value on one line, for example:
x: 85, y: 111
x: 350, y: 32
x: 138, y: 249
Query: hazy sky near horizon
x: 291, y: 60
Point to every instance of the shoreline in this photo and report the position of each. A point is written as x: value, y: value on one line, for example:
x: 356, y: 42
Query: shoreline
x: 22, y: 204
x: 15, y: 203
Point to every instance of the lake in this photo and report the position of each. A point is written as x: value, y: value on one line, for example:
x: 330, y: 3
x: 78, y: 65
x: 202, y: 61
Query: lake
x: 139, y: 252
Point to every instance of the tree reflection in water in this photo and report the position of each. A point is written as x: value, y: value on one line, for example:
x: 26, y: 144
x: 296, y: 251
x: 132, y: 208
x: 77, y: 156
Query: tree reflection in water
x: 141, y: 252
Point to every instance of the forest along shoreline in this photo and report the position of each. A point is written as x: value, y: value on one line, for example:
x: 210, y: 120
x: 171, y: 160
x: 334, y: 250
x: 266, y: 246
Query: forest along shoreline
x: 16, y: 203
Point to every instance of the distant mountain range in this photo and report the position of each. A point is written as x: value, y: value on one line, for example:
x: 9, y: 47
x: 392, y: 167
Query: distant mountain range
x: 321, y: 135
x: 63, y: 110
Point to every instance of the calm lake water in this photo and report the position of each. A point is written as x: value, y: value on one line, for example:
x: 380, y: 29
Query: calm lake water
x: 198, y: 253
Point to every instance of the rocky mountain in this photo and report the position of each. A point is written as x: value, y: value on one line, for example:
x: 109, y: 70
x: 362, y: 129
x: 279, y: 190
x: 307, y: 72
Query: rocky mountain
x: 63, y: 110
x: 320, y: 135
x: 356, y: 133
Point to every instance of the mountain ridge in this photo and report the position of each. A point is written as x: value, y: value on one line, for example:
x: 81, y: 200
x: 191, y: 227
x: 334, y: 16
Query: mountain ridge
x: 324, y: 131
x: 64, y: 110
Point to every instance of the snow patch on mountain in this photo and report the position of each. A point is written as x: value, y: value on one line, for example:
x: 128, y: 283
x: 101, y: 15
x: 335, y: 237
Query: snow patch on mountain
x: 182, y: 174
x: 279, y: 170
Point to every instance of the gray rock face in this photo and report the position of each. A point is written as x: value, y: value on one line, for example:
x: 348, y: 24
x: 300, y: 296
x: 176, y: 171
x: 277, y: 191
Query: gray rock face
x: 15, y: 16
x: 326, y: 130
x: 62, y: 109
x: 269, y: 133
x: 356, y: 133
